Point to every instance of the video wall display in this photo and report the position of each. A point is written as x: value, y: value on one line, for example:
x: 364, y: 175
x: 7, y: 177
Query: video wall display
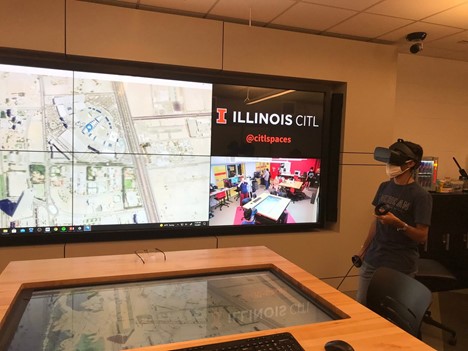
x: 92, y: 152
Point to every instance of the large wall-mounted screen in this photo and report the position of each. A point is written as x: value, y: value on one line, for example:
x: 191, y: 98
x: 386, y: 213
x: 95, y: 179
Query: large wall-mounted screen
x: 86, y: 153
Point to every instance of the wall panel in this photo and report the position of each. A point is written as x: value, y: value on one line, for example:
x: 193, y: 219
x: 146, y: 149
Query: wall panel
x: 33, y: 25
x: 126, y: 247
x: 432, y: 109
x: 34, y: 252
x: 127, y: 34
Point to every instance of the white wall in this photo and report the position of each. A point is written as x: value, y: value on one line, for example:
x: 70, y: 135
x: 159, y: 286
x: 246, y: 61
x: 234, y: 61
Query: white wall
x: 385, y: 94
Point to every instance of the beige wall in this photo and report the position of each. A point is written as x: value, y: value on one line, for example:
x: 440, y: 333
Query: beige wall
x: 383, y: 91
x: 33, y: 25
x: 432, y: 108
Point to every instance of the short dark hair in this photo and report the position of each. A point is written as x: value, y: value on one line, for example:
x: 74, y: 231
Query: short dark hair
x: 248, y: 213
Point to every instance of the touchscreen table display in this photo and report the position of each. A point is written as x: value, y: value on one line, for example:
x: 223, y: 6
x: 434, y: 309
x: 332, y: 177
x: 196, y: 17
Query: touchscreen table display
x: 130, y: 315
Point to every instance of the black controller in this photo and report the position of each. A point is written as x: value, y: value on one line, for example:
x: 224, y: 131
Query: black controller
x: 357, y: 262
x: 381, y: 209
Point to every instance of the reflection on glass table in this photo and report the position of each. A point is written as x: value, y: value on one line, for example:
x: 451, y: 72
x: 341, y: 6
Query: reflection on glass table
x: 137, y: 314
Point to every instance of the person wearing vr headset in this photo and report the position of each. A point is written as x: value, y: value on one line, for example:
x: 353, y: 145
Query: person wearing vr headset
x: 402, y: 216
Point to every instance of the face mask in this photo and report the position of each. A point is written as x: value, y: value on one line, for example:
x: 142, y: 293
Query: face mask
x: 394, y: 171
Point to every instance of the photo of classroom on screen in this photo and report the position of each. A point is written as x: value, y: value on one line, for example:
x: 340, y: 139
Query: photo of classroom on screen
x: 256, y: 191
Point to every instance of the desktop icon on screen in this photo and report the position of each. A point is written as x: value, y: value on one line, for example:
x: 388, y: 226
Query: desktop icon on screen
x: 87, y: 228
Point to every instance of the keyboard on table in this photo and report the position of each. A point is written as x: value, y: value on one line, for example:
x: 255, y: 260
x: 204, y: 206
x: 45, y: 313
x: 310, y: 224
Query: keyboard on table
x: 273, y: 342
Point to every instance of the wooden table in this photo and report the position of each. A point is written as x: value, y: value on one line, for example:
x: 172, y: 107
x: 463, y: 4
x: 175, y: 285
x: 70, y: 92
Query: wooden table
x: 362, y: 328
x: 291, y: 184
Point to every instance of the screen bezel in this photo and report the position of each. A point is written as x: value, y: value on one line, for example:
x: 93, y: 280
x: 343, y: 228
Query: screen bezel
x: 201, y: 75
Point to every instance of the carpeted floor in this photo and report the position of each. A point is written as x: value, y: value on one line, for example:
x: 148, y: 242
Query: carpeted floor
x: 454, y: 312
x: 450, y: 308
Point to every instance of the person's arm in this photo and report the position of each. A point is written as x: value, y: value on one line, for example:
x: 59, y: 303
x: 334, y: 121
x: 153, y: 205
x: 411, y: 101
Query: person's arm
x: 418, y: 233
x: 370, y: 236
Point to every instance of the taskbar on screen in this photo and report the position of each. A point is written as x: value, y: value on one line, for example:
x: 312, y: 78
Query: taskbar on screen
x: 89, y: 228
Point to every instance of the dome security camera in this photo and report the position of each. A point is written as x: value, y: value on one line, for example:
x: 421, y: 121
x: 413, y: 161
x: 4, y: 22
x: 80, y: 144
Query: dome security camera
x: 415, y: 48
x: 418, y: 38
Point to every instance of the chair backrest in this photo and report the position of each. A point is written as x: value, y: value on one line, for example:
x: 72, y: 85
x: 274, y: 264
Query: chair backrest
x: 399, y: 298
x: 435, y: 276
x: 221, y: 195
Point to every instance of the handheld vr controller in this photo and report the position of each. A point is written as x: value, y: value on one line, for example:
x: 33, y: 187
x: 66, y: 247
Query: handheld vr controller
x: 381, y: 209
x: 357, y: 261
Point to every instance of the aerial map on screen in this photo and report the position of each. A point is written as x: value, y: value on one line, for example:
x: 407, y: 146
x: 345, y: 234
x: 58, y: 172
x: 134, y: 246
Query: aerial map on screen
x: 83, y: 149
x: 131, y: 315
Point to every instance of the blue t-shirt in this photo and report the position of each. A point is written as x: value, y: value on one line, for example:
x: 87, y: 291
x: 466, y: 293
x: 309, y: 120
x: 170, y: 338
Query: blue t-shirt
x: 390, y: 247
x: 245, y: 221
x: 243, y: 188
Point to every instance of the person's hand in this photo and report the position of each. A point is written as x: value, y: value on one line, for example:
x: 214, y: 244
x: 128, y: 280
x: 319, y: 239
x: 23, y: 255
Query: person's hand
x: 389, y: 219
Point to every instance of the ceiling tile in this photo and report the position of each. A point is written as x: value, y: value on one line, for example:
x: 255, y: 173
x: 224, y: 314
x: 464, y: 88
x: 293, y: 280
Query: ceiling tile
x: 388, y: 21
x: 262, y: 10
x: 414, y: 9
x: 369, y: 25
x: 434, y: 31
x: 357, y: 5
x: 456, y: 42
x: 310, y: 16
x: 199, y: 6
x: 455, y: 17
x: 126, y: 1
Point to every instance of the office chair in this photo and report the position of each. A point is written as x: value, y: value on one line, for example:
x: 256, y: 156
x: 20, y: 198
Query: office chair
x: 221, y: 197
x: 291, y: 193
x: 300, y: 192
x: 399, y: 298
x: 245, y: 200
x: 436, y: 277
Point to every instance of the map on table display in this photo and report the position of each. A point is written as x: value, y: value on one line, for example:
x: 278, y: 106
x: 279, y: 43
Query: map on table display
x: 130, y: 315
x: 83, y: 148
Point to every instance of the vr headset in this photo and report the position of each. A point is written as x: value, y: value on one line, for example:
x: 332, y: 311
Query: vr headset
x: 397, y: 154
